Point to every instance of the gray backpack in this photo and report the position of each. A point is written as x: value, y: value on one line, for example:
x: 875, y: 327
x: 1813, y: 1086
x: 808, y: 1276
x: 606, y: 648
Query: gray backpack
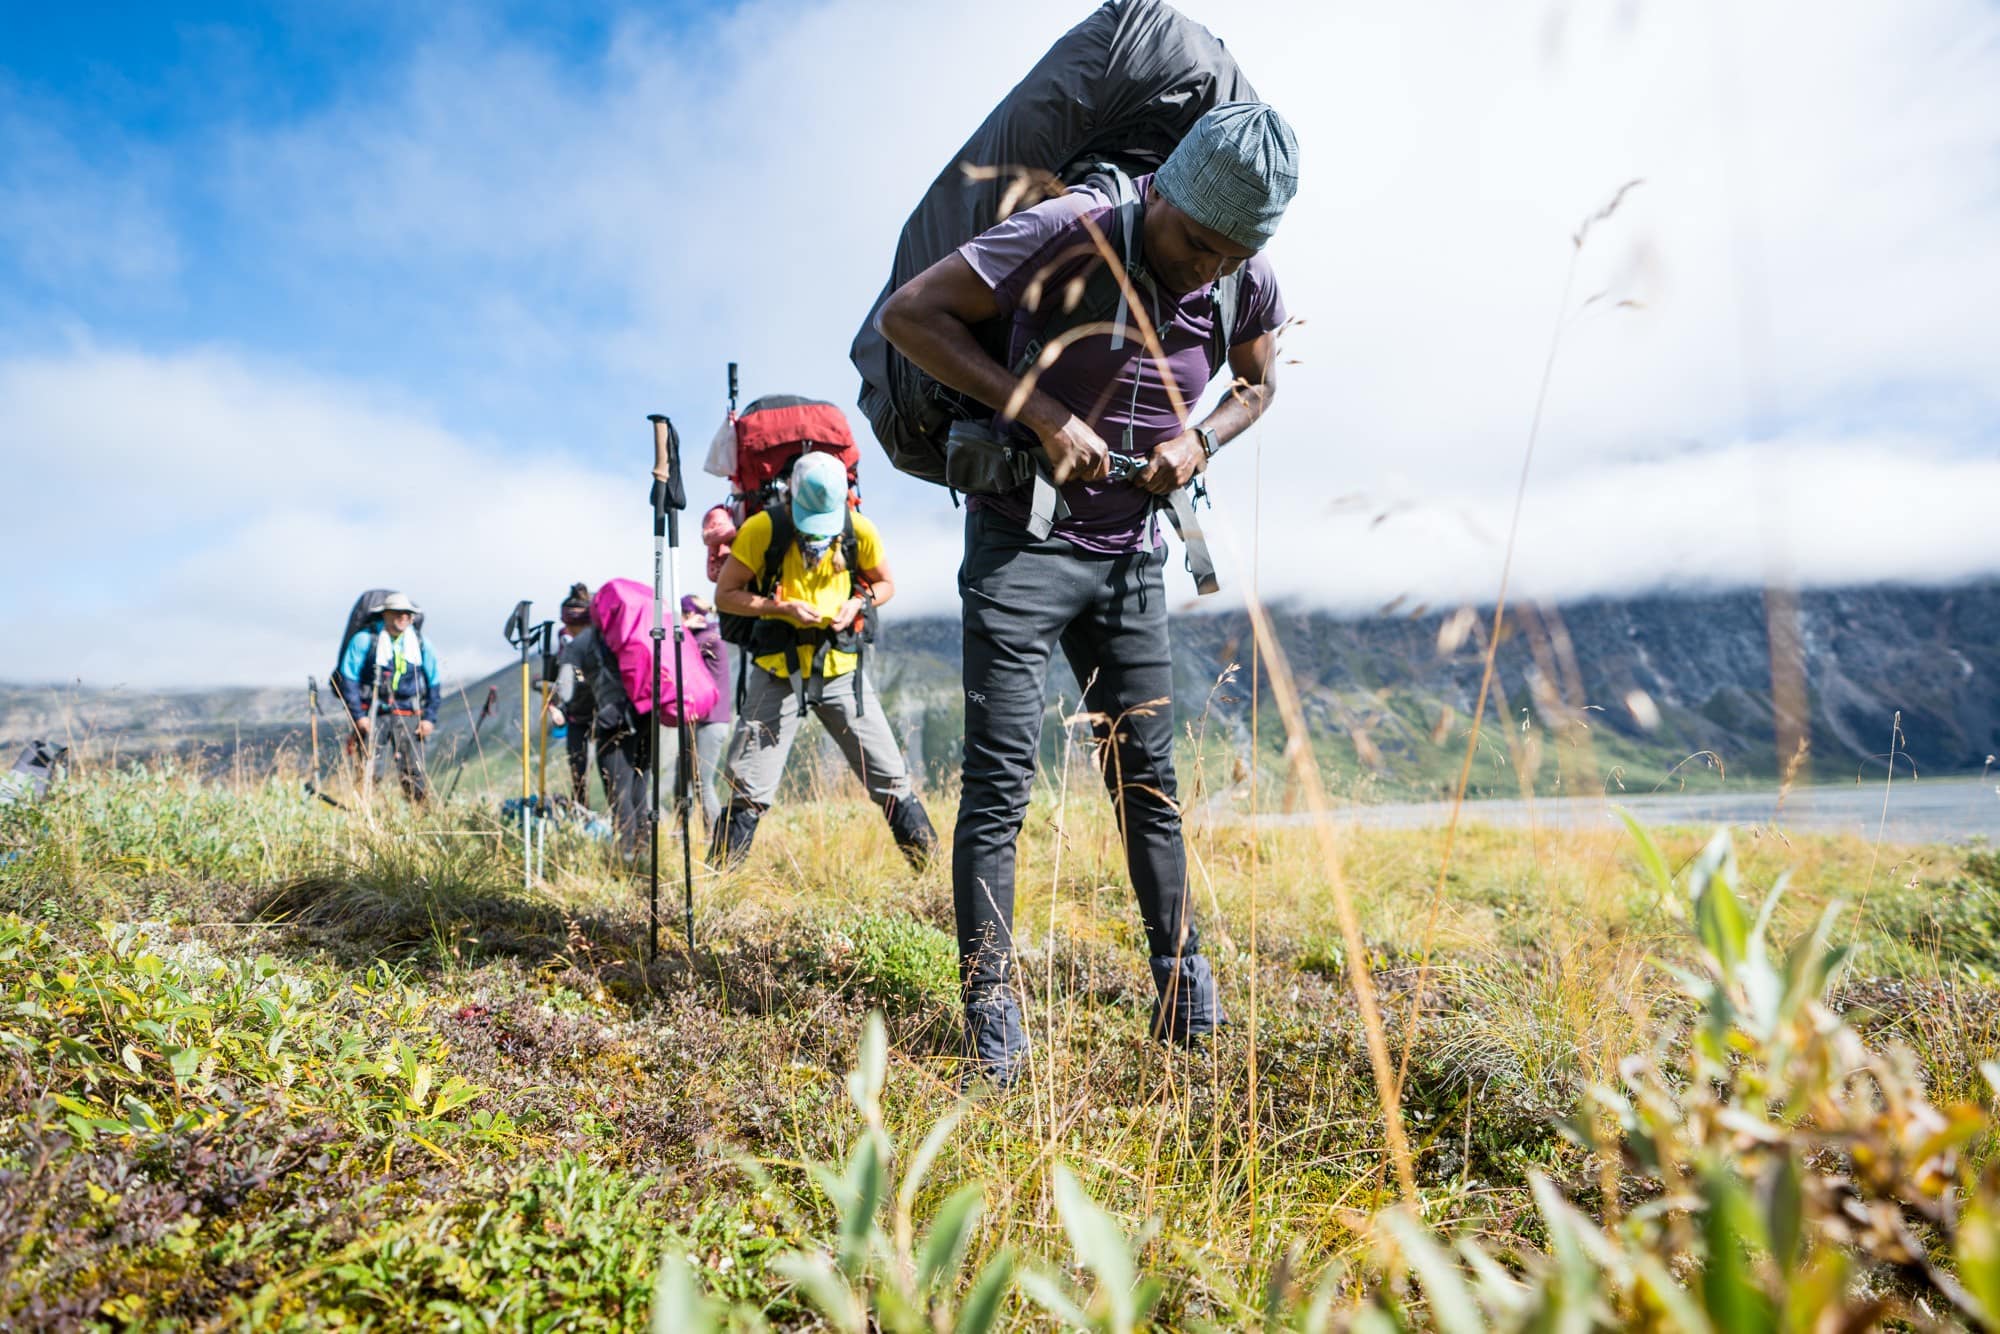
x: 39, y: 766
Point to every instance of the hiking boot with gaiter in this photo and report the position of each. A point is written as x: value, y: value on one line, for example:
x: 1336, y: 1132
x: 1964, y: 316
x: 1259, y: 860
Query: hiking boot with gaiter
x: 1186, y: 1008
x: 735, y: 829
x: 996, y: 1043
x: 911, y: 828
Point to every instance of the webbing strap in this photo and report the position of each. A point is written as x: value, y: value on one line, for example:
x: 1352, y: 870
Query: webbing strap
x: 1046, y: 507
x: 1123, y: 198
x: 1187, y: 522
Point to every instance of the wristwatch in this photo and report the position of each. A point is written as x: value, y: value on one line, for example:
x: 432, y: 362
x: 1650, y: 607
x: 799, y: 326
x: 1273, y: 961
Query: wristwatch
x: 1209, y: 442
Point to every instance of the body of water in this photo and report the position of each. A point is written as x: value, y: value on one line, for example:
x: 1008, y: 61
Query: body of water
x: 1928, y: 810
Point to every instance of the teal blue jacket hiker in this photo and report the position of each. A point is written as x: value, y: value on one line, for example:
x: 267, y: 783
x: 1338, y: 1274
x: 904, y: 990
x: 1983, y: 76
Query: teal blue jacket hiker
x: 402, y: 672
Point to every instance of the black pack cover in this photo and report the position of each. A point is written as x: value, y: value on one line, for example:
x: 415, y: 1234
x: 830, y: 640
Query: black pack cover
x: 367, y: 608
x: 1123, y: 86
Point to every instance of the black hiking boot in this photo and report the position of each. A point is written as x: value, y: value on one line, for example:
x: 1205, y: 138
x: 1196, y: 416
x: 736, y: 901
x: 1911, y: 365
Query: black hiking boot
x: 996, y: 1044
x: 735, y: 830
x: 911, y: 827
x: 1186, y: 1009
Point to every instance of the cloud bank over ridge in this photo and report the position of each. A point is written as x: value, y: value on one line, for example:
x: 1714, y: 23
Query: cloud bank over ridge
x: 410, y: 336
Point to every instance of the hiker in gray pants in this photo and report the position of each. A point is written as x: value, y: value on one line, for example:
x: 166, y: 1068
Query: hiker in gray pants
x: 811, y: 572
x: 1092, y: 580
x: 769, y: 724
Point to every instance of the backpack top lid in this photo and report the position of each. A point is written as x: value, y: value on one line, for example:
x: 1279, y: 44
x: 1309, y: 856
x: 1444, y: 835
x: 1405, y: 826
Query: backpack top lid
x: 367, y: 610
x: 777, y: 428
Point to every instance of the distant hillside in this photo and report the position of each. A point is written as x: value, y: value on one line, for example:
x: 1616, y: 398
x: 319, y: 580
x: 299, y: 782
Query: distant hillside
x: 1659, y: 679
x: 1667, y: 684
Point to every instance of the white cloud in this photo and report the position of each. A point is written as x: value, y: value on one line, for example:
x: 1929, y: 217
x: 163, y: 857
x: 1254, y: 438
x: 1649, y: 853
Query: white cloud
x: 1848, y: 510
x: 209, y: 521
x: 1811, y: 382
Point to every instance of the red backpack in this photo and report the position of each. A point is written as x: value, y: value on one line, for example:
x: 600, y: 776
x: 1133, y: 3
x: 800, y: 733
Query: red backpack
x: 771, y: 434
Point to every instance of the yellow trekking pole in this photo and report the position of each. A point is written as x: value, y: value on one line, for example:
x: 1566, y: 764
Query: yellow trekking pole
x: 542, y: 781
x: 521, y: 637
x: 542, y: 777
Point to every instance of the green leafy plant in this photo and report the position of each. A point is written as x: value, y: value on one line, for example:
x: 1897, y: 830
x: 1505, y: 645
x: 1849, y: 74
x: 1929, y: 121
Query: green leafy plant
x: 1780, y: 1174
x: 884, y: 1277
x: 134, y: 1040
x: 1121, y: 1300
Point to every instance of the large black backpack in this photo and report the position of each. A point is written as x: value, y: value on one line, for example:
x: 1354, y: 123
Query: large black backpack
x: 1120, y: 89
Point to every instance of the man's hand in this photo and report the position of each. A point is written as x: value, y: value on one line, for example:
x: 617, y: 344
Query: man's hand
x: 425, y: 728
x: 1076, y: 453
x: 802, y: 612
x: 365, y: 723
x: 848, y: 611
x: 1173, y: 465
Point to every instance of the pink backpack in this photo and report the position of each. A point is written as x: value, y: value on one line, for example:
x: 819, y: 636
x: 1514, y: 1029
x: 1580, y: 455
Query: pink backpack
x: 622, y: 611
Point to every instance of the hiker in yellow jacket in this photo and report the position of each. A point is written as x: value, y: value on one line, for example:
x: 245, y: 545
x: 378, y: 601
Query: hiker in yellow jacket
x: 808, y: 574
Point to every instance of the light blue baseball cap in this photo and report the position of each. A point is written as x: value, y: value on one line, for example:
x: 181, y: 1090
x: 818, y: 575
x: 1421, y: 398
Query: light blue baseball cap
x: 819, y: 495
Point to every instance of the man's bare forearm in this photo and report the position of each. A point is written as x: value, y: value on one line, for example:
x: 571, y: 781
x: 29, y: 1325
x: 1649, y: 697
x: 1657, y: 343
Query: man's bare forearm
x: 1239, y: 410
x: 944, y: 348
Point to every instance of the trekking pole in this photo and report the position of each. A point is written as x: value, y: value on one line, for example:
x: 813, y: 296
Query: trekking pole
x: 669, y: 499
x: 542, y: 761
x: 485, y: 712
x: 312, y: 715
x: 542, y: 776
x: 520, y: 635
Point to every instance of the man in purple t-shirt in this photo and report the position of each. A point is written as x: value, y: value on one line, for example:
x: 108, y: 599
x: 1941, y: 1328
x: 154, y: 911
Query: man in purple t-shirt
x: 1095, y: 584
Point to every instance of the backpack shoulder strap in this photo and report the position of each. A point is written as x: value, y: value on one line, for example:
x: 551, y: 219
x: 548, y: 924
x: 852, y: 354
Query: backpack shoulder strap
x: 1128, y: 212
x: 1103, y: 298
x: 783, y: 534
x: 850, y: 547
x: 1228, y: 302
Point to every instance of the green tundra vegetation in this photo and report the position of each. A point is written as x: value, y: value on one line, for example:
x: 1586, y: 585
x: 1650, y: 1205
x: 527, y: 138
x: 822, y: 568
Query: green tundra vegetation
x: 265, y: 1064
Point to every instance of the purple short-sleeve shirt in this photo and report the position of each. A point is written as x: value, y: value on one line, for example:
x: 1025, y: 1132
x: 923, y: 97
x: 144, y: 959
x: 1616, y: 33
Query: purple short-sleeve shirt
x: 1046, y: 247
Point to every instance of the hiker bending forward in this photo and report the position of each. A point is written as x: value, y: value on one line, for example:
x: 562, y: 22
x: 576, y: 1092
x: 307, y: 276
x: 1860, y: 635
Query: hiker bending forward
x: 822, y: 573
x: 389, y: 682
x: 1094, y: 583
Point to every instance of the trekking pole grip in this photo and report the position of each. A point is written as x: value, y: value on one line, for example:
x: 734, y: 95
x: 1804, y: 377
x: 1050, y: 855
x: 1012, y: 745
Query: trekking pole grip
x: 668, y: 492
x: 663, y: 460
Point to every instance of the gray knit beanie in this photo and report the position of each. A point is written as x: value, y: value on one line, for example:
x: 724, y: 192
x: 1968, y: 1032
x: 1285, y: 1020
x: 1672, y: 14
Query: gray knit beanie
x: 1234, y: 172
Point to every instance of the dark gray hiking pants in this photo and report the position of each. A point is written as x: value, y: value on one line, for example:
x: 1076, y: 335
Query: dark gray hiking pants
x: 625, y: 764
x: 393, y: 740
x: 1021, y: 598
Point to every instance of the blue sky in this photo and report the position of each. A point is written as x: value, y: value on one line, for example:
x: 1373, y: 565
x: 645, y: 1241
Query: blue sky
x: 298, y: 299
x: 150, y: 112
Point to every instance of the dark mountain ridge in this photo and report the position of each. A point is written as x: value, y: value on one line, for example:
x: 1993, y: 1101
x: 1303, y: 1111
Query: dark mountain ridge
x: 1649, y: 682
